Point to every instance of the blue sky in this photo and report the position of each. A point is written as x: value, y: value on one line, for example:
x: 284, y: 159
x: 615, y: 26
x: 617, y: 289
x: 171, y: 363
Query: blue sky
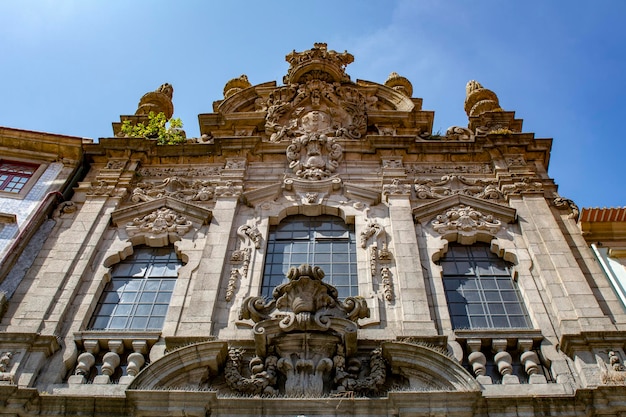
x: 72, y: 67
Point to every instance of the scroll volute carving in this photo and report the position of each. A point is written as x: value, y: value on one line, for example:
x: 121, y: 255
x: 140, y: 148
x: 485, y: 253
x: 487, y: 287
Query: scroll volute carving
x: 306, y: 334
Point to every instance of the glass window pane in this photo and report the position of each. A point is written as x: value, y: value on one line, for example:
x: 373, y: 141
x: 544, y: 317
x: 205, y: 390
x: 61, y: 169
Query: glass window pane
x: 143, y: 310
x: 323, y: 241
x: 500, y: 321
x: 152, y: 285
x: 147, y: 297
x: 159, y: 310
x: 478, y: 322
x: 128, y: 303
x: 487, y: 295
x: 100, y: 323
x: 163, y: 297
x: 139, y: 323
x: 121, y: 310
x: 155, y: 323
x: 117, y: 323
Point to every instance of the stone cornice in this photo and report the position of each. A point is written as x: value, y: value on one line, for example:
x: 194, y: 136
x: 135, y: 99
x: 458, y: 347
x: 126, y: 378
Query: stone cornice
x: 571, y: 343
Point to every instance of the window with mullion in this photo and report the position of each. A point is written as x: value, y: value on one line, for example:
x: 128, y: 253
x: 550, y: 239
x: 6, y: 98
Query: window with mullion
x: 480, y: 290
x: 139, y: 293
x: 323, y: 241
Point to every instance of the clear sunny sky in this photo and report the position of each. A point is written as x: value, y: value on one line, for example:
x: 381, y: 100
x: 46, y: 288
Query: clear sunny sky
x: 72, y: 67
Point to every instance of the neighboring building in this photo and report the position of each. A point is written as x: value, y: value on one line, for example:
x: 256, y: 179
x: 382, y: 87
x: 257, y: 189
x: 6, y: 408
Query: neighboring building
x: 604, y: 229
x: 37, y: 173
x: 317, y: 251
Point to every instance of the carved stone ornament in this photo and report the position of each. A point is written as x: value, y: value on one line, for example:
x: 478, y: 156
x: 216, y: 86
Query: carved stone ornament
x: 396, y: 188
x: 6, y: 365
x: 469, y: 168
x: 567, y: 204
x: 313, y: 155
x: 158, y: 101
x: 250, y: 237
x: 229, y: 189
x: 372, y: 229
x: 232, y: 284
x: 161, y: 221
x: 465, y: 219
x: 314, y: 95
x: 522, y: 186
x: 176, y: 187
x: 457, y: 184
x: 304, y: 334
x: 250, y: 233
x: 458, y: 133
x: 102, y: 188
x: 116, y: 164
x: 175, y: 171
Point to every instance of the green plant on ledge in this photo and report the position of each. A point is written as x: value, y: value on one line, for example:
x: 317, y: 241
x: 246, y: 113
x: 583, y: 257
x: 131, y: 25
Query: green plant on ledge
x: 156, y: 129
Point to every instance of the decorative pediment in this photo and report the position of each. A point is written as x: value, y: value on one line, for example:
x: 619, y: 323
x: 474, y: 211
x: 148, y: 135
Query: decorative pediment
x: 161, y: 221
x: 464, y: 219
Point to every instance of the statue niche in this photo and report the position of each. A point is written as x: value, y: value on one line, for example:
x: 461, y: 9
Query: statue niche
x: 306, y: 341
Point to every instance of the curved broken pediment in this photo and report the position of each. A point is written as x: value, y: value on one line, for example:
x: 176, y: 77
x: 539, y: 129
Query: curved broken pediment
x: 318, y: 98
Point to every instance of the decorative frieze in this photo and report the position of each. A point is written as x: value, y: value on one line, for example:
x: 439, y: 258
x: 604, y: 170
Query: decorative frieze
x: 457, y: 184
x: 435, y: 168
x: 175, y: 187
x: 203, y: 171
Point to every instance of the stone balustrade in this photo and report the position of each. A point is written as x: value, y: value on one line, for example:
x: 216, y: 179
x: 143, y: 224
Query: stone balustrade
x: 508, y: 360
x: 110, y: 358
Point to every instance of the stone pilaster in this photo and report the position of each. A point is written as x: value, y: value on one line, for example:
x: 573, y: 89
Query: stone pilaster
x: 566, y: 290
x: 411, y: 292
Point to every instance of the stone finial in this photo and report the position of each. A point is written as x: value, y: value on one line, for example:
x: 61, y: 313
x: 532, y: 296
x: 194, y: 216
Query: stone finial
x: 400, y: 84
x: 236, y: 85
x: 319, y: 63
x: 479, y: 100
x: 158, y: 101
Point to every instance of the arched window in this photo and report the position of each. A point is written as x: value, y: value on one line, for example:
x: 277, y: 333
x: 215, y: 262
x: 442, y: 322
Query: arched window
x: 323, y: 241
x: 480, y: 290
x: 139, y: 293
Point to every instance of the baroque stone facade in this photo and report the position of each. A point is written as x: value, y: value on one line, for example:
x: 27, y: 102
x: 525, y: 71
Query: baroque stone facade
x: 316, y: 251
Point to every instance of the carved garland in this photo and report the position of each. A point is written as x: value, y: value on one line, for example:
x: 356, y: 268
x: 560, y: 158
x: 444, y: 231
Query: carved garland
x: 375, y: 231
x: 249, y: 236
